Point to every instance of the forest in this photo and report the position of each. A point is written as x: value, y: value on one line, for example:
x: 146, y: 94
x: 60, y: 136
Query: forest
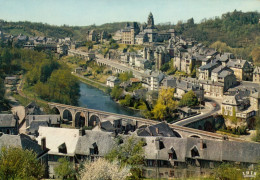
x: 43, y: 74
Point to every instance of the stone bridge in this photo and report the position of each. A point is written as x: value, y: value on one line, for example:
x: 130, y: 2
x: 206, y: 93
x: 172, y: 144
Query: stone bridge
x: 90, y: 117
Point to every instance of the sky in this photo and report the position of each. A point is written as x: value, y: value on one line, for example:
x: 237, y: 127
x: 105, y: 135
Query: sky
x: 88, y: 12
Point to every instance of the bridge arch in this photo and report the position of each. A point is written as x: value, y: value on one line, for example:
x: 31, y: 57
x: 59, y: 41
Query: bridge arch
x: 94, y: 120
x: 177, y: 134
x: 80, y: 119
x: 55, y: 110
x: 195, y: 136
x: 67, y: 115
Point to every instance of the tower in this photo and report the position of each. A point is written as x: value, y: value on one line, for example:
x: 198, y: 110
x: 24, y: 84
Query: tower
x: 150, y: 21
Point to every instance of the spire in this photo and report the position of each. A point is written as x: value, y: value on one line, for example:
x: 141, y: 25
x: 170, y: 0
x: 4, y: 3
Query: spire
x: 150, y: 21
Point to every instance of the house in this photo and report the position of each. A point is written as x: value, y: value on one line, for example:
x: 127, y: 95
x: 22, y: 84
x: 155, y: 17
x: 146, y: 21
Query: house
x: 237, y: 106
x: 11, y: 80
x: 129, y: 33
x: 205, y: 70
x: 33, y: 122
x: 141, y: 38
x: 9, y: 124
x: 216, y: 72
x: 112, y: 81
x: 243, y: 70
x: 92, y: 35
x: 152, y: 80
x: 79, y: 70
x: 185, y: 112
x: 256, y: 75
x: 160, y: 129
x: 75, y: 144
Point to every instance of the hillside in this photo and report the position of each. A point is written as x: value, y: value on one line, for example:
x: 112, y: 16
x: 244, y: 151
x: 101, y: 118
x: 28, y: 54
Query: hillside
x: 236, y: 32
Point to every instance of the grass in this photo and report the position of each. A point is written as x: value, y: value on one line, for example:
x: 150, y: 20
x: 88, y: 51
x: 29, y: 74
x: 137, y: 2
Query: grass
x: 96, y: 85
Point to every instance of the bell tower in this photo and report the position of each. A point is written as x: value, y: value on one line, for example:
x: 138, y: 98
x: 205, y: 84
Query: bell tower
x: 150, y: 21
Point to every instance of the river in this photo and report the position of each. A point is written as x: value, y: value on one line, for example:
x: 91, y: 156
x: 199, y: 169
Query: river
x: 94, y: 98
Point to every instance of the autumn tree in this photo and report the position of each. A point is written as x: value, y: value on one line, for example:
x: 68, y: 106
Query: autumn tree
x: 125, y: 76
x: 256, y: 54
x: 165, y: 104
x: 16, y: 163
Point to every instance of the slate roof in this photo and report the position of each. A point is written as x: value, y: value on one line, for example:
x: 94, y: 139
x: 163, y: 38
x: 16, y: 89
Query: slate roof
x: 208, y: 66
x: 51, y: 119
x: 236, y: 63
x: 34, y: 126
x: 7, y: 120
x: 163, y: 130
x: 224, y: 74
x: 22, y: 140
x: 104, y: 141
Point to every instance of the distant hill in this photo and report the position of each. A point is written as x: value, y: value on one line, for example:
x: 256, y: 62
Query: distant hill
x: 235, y: 31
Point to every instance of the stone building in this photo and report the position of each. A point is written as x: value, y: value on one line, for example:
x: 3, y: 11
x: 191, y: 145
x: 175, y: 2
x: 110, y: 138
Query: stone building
x: 8, y: 124
x: 242, y: 69
x: 256, y: 75
x: 205, y: 71
x: 92, y: 35
x: 184, y: 61
x: 129, y: 33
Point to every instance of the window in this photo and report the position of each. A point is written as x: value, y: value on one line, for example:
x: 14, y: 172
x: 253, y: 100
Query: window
x: 194, y: 152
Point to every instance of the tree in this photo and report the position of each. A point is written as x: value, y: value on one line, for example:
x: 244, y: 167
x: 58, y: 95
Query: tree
x: 103, y: 169
x: 116, y: 92
x: 228, y: 171
x: 127, y: 101
x: 89, y: 45
x: 165, y: 104
x: 16, y: 163
x: 189, y: 99
x: 256, y: 54
x: 130, y: 153
x: 65, y: 169
x: 125, y: 76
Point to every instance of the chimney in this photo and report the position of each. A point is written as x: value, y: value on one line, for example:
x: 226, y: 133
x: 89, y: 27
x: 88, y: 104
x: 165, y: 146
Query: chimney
x: 43, y: 143
x: 157, y: 130
x: 82, y: 132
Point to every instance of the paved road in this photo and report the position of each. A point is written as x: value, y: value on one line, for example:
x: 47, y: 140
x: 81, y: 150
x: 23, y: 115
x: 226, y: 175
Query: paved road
x: 213, y: 110
x: 123, y: 67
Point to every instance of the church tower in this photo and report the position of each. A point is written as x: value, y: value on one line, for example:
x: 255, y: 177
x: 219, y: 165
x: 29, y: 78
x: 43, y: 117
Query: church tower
x: 150, y: 21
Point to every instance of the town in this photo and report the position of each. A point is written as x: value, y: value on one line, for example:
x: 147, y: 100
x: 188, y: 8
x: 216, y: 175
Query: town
x: 198, y: 107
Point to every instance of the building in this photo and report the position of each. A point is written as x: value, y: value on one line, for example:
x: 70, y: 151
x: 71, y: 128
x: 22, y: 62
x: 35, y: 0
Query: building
x: 256, y: 75
x: 237, y: 106
x: 152, y: 80
x: 33, y: 122
x: 129, y: 33
x: 92, y: 35
x: 11, y: 80
x: 112, y: 81
x: 205, y: 70
x: 243, y: 70
x: 9, y: 124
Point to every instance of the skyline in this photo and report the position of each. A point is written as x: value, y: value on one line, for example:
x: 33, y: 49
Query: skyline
x: 88, y: 12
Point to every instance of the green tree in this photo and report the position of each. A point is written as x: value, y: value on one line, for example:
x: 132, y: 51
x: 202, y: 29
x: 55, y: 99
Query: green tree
x: 130, y: 153
x: 125, y: 76
x: 116, y: 92
x: 189, y: 99
x: 127, y: 101
x: 65, y: 169
x: 16, y: 163
x: 228, y: 171
x: 89, y: 45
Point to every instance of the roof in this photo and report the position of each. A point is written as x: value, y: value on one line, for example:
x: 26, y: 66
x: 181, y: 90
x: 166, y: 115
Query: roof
x: 57, y: 136
x: 237, y: 63
x: 208, y: 66
x: 22, y: 140
x: 7, y: 120
x: 104, y: 141
x: 224, y: 74
x: 160, y: 129
x: 112, y: 78
x: 50, y: 118
x: 34, y: 126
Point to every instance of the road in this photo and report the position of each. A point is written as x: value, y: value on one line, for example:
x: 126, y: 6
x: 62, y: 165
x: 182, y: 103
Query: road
x: 212, y: 110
